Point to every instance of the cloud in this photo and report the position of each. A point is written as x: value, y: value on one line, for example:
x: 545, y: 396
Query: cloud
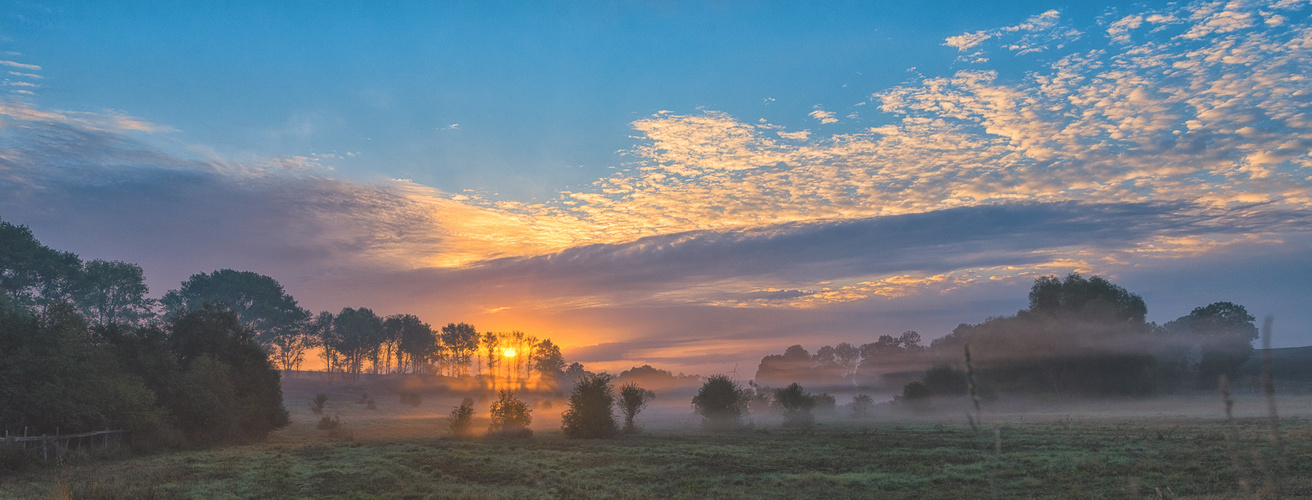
x: 1038, y: 33
x: 12, y: 64
x: 824, y: 117
x: 1185, y: 138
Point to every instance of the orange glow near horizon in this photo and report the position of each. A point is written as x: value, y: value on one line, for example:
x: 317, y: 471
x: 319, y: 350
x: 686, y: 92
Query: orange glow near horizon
x: 508, y: 352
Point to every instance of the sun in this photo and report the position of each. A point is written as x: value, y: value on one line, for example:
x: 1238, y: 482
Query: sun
x: 508, y: 352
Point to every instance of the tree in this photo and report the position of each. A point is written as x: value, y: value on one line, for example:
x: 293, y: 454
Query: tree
x: 795, y: 363
x: 113, y: 292
x: 861, y: 405
x: 1093, y: 297
x: 491, y: 343
x: 230, y: 392
x: 32, y: 274
x: 632, y: 400
x: 416, y: 342
x: 548, y: 361
x: 589, y: 412
x: 1225, y: 333
x: 721, y: 402
x: 461, y: 420
x: 358, y: 333
x: 326, y: 337
x: 259, y: 301
x: 462, y: 340
x: 510, y: 416
x: 796, y: 404
x: 57, y: 376
x: 288, y: 347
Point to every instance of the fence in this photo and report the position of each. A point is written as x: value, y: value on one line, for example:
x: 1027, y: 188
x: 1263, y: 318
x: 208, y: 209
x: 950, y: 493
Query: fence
x: 60, y: 444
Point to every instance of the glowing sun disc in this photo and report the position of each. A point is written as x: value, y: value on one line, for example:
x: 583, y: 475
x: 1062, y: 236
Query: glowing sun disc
x: 508, y: 352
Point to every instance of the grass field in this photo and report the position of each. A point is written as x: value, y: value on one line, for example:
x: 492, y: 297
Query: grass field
x: 398, y: 451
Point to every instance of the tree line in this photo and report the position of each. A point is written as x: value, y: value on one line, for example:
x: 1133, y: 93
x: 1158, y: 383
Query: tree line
x: 83, y: 347
x: 1079, y: 337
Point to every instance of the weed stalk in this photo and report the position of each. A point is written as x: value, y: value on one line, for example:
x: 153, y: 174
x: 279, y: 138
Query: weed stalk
x: 1232, y: 434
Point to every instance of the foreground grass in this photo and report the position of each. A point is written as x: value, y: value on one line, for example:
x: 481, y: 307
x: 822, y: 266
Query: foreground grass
x: 1062, y: 458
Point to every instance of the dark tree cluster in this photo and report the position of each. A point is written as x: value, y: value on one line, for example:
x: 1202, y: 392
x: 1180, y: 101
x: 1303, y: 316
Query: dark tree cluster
x: 845, y: 365
x: 1079, y: 337
x: 83, y: 351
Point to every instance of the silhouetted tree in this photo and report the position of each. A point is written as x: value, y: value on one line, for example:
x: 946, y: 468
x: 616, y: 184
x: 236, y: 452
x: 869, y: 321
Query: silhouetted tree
x: 461, y: 420
x: 796, y: 405
x: 548, y: 361
x: 721, y: 402
x: 510, y: 416
x: 462, y: 341
x: 793, y: 364
x: 416, y: 343
x: 861, y: 405
x: 1225, y: 333
x: 231, y: 392
x: 632, y: 400
x: 113, y: 292
x: 32, y: 274
x: 589, y: 412
x: 357, y: 336
x: 259, y: 301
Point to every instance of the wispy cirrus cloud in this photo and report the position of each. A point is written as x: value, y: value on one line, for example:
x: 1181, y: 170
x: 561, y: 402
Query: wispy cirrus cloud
x: 1038, y: 33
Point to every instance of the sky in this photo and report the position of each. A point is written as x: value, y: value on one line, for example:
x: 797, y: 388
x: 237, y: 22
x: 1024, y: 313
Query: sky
x: 691, y: 185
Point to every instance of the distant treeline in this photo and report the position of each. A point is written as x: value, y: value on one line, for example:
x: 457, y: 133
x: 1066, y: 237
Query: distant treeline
x: 1079, y: 337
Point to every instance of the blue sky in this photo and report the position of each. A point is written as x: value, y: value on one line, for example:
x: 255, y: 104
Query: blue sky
x: 746, y: 174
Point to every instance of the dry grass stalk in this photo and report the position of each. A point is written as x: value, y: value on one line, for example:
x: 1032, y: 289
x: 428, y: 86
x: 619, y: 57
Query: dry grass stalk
x: 1232, y: 434
x: 1273, y: 417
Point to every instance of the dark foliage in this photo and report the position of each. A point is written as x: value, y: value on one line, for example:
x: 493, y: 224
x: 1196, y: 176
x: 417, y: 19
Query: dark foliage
x: 861, y: 405
x: 510, y: 416
x: 589, y: 413
x: 721, y: 402
x: 796, y: 405
x: 461, y: 420
x: 1224, y: 334
x: 632, y: 400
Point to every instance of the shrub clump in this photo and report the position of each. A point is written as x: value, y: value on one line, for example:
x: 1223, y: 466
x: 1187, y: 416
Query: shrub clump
x: 461, y: 420
x: 632, y: 400
x: 861, y: 405
x: 319, y: 400
x: 510, y: 416
x: 796, y: 404
x: 589, y: 412
x: 411, y: 398
x: 721, y: 402
x: 328, y: 423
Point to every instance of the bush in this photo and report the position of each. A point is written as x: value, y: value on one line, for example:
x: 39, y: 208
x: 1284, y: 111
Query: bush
x: 721, y: 402
x: 15, y: 457
x: 589, y: 413
x: 861, y: 405
x: 461, y: 420
x: 510, y: 416
x: 334, y: 427
x: 796, y: 404
x: 370, y: 405
x: 632, y: 400
x: 328, y: 423
x: 319, y: 400
x: 411, y: 398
